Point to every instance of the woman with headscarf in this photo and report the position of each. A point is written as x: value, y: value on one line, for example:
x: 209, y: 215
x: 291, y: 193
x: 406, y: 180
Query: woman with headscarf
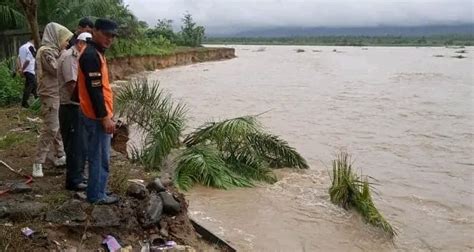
x: 55, y: 39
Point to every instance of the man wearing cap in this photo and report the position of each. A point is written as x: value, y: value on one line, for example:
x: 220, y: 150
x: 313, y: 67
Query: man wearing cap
x: 96, y: 100
x: 70, y: 114
x: 85, y: 25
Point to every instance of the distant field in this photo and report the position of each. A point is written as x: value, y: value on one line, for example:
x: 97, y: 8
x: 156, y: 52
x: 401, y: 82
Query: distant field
x: 442, y: 40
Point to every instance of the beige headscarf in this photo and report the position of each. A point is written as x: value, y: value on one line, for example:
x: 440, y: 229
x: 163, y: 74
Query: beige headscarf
x: 55, y: 35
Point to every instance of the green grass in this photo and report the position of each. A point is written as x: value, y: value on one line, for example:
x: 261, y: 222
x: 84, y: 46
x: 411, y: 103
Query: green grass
x: 56, y: 199
x: 141, y: 47
x: 349, y: 190
x: 11, y: 139
x: 118, y: 181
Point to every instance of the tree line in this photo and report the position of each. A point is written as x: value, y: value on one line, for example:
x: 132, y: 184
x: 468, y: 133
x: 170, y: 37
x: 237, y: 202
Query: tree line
x: 33, y: 14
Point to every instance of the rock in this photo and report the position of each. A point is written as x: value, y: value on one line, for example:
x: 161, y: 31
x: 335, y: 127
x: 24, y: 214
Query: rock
x: 181, y: 248
x: 156, y: 186
x: 80, y: 195
x: 105, y: 216
x: 164, y: 228
x: 3, y: 212
x: 137, y: 191
x: 26, y: 209
x: 164, y: 232
x: 170, y: 205
x: 151, y: 211
x: 20, y: 188
x: 69, y: 213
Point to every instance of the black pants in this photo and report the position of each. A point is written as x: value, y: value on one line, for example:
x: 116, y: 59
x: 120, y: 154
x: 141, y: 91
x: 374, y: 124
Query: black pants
x: 30, y: 88
x: 72, y: 133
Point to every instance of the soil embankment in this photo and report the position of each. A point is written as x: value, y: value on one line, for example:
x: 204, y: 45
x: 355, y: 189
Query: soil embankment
x: 122, y: 67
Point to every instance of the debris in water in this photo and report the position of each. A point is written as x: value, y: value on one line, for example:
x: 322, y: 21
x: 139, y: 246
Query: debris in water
x: 111, y: 243
x: 300, y: 50
x: 27, y: 231
x: 35, y: 120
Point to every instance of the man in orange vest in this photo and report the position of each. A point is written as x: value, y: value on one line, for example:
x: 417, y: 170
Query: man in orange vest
x: 96, y: 100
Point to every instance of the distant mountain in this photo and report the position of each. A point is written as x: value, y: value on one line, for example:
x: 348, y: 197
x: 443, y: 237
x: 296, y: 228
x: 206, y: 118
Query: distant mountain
x: 463, y: 29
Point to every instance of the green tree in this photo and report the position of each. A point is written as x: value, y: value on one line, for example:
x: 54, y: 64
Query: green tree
x: 191, y: 34
x: 163, y: 28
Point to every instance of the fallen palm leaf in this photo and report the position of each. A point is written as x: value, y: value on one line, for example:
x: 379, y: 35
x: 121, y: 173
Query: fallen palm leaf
x: 348, y: 190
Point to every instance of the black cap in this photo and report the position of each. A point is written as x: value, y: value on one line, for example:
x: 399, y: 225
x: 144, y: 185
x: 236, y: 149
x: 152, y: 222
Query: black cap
x: 84, y: 22
x: 106, y: 25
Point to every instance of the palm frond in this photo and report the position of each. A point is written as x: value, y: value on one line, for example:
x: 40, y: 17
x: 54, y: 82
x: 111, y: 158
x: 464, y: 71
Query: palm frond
x: 11, y: 18
x: 276, y: 151
x: 224, y: 132
x: 157, y: 116
x: 247, y: 163
x: 348, y: 190
x: 202, y: 164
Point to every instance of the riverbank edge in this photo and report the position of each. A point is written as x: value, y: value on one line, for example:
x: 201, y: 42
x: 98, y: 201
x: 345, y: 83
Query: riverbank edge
x: 120, y: 68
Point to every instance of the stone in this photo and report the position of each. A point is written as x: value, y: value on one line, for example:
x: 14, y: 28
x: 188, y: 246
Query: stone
x: 151, y: 211
x: 20, y: 188
x: 164, y: 232
x: 180, y: 248
x: 137, y: 191
x: 80, y: 196
x: 167, y: 181
x: 164, y: 228
x: 170, y: 205
x: 69, y: 213
x: 26, y: 209
x: 156, y: 186
x: 105, y: 216
x: 3, y: 211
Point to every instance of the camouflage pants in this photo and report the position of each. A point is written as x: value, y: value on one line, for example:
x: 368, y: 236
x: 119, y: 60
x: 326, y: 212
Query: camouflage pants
x: 49, y: 143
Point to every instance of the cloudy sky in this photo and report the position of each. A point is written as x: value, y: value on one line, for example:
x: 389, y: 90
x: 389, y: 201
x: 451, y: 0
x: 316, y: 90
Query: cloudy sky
x: 216, y: 15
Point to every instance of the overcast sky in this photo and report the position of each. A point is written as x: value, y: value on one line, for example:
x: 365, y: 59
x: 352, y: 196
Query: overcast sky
x: 232, y: 14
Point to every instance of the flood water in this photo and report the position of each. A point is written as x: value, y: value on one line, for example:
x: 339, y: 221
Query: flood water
x: 406, y: 116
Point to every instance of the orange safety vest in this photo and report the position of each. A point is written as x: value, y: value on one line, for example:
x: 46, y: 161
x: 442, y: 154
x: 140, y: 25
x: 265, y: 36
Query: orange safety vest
x: 84, y: 98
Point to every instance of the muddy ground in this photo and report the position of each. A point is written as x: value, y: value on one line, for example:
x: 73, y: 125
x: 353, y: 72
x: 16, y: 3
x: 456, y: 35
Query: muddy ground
x: 18, y: 137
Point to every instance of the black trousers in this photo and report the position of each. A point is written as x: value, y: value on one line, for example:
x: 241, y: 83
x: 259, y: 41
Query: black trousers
x: 30, y: 88
x: 72, y: 133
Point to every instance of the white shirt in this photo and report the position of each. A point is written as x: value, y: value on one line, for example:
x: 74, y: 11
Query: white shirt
x: 25, y: 54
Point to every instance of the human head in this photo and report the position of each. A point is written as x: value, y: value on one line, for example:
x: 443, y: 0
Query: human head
x: 85, y: 25
x: 82, y: 40
x: 56, y: 36
x: 105, y: 31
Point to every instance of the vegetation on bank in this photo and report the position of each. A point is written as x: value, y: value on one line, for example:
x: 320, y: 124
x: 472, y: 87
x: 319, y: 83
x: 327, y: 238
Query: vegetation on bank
x: 11, y: 87
x: 441, y: 40
x: 350, y: 190
x: 230, y: 153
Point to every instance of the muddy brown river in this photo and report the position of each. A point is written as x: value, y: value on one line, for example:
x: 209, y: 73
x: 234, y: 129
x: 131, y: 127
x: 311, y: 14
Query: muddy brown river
x: 406, y: 116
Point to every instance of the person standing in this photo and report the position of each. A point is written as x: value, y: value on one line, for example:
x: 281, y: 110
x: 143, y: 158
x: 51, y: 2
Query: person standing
x: 55, y: 39
x: 27, y: 54
x: 70, y: 114
x: 85, y: 25
x: 95, y: 96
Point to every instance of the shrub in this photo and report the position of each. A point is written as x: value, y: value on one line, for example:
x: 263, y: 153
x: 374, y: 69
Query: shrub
x: 10, y: 87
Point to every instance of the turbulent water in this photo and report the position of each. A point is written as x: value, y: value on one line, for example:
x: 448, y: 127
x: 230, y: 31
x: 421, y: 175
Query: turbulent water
x: 405, y: 115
